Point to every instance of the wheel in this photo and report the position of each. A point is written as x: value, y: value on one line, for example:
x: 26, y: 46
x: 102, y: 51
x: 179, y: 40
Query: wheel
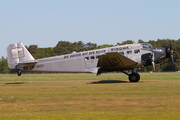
x: 134, y: 77
x: 19, y: 73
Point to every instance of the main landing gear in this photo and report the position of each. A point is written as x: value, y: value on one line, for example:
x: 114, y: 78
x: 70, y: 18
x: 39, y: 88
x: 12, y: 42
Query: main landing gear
x: 19, y: 72
x: 133, y: 77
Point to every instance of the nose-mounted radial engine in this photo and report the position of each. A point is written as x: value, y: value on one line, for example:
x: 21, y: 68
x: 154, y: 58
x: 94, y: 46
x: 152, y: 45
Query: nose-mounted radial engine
x: 157, y: 54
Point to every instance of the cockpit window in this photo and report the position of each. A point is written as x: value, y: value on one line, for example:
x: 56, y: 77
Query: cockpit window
x: 136, y: 51
x: 146, y: 46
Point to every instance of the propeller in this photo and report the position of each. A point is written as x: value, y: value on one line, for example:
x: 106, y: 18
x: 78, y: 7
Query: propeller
x: 153, y: 62
x: 172, y: 59
x: 169, y: 52
x: 153, y: 65
x: 161, y: 53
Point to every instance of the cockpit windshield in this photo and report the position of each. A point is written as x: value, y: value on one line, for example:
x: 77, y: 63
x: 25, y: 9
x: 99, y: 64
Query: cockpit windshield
x: 146, y: 46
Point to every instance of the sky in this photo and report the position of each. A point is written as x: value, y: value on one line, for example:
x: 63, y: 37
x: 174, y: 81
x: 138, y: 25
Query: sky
x: 45, y: 22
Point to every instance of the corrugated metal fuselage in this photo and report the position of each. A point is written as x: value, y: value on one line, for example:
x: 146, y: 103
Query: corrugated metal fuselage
x: 86, y: 61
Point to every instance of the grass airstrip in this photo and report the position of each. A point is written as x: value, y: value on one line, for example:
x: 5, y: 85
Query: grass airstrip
x: 84, y: 96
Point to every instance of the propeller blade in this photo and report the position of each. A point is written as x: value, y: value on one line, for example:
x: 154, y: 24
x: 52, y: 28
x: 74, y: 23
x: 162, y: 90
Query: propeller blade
x: 153, y: 61
x: 170, y: 47
x: 153, y: 65
x: 171, y: 53
x: 172, y: 59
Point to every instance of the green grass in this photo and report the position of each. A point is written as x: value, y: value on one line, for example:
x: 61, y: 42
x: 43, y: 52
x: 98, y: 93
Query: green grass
x: 85, y: 96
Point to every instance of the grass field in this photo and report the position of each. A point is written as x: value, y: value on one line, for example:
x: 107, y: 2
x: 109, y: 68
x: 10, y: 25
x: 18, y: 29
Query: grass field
x: 87, y: 97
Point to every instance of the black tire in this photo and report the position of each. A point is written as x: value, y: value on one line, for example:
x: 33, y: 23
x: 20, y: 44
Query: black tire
x: 134, y: 77
x: 19, y: 73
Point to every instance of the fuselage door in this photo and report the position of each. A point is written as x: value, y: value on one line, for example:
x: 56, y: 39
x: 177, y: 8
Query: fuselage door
x: 91, y: 61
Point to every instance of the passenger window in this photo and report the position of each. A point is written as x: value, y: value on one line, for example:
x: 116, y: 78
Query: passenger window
x: 86, y: 58
x: 136, y: 51
x: 97, y: 57
x: 92, y: 57
x: 129, y: 52
x: 122, y: 53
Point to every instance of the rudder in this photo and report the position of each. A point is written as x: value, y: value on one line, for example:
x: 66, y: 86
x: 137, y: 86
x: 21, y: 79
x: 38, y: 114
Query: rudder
x: 17, y: 53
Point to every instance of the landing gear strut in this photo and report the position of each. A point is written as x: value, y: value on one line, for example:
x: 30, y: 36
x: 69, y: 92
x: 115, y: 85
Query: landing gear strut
x: 133, y: 77
x: 19, y: 73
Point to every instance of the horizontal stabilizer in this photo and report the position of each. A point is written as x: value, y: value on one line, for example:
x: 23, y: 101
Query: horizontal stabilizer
x: 28, y: 63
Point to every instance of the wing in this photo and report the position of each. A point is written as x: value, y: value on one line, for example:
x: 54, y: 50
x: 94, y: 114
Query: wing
x: 114, y: 61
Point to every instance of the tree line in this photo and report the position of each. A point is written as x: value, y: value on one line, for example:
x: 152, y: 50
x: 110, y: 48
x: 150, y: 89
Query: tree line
x: 66, y: 47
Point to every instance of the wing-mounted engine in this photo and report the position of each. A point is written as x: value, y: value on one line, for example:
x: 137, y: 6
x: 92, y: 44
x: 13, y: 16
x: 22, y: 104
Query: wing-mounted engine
x: 146, y: 59
x: 169, y: 53
x: 162, y: 53
x: 157, y: 54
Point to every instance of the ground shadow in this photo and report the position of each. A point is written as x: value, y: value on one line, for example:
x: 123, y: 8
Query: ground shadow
x: 109, y: 81
x: 16, y: 83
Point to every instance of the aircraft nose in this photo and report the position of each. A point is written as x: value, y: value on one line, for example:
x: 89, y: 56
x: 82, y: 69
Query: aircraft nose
x: 158, y: 53
x: 168, y: 51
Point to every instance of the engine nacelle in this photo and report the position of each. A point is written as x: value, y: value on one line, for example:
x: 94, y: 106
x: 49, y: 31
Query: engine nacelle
x: 146, y: 59
x: 168, y: 52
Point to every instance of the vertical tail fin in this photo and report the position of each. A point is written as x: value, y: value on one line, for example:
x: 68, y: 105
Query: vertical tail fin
x: 17, y: 53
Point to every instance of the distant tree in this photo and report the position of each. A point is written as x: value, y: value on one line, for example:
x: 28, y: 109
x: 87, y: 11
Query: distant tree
x: 90, y: 46
x: 104, y: 46
x: 61, y: 48
x: 65, y: 47
x: 44, y: 52
x: 126, y: 42
x: 81, y: 46
x: 140, y: 41
x: 32, y: 49
x: 4, y: 66
x: 152, y: 42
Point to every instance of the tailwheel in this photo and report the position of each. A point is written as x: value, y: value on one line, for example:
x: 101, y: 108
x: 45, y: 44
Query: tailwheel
x: 19, y: 73
x: 134, y: 77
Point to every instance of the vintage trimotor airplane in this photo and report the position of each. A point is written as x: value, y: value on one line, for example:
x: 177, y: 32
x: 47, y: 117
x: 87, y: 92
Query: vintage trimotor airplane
x: 117, y: 58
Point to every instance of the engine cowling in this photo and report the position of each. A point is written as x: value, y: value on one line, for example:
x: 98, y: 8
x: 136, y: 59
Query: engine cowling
x: 146, y: 59
x: 168, y: 51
